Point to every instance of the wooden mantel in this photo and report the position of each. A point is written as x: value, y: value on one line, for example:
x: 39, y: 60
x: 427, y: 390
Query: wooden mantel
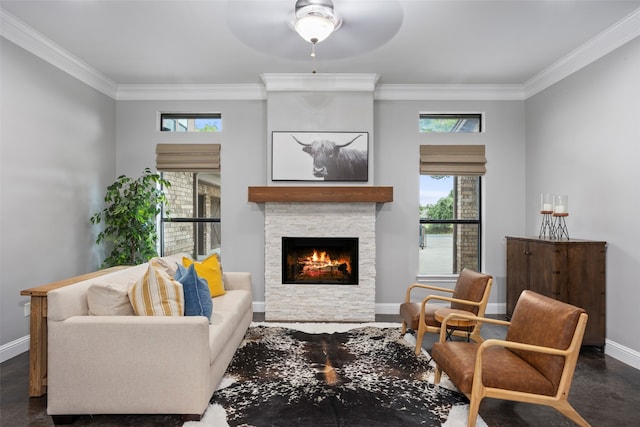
x: 321, y: 194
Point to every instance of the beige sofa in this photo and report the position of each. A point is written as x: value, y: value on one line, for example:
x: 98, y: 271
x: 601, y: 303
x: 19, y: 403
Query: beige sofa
x: 140, y: 364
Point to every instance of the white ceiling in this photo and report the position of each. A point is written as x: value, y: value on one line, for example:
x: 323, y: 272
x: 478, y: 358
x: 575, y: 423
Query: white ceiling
x: 405, y: 42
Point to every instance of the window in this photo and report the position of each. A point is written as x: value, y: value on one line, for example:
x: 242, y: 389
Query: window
x: 450, y: 228
x: 193, y: 223
x: 458, y: 123
x: 449, y: 224
x: 190, y: 122
x: 191, y: 220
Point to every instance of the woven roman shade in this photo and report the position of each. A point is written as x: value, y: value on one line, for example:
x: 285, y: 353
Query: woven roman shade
x: 452, y: 160
x: 188, y: 157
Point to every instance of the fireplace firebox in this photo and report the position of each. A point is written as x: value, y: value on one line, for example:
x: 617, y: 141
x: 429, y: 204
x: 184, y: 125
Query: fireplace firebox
x: 320, y: 260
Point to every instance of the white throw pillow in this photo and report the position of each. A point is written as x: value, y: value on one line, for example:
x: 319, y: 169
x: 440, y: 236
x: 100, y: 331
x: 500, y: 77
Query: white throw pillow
x: 169, y: 263
x: 109, y: 299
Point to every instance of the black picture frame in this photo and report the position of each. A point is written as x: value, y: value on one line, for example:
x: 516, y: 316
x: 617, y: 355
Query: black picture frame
x: 320, y: 156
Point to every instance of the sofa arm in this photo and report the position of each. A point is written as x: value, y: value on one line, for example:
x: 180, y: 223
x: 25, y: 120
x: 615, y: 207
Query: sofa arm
x: 104, y: 364
x: 237, y: 281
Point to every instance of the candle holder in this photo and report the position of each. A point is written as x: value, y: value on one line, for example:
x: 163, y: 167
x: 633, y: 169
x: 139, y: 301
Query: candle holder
x: 560, y: 212
x: 546, y: 209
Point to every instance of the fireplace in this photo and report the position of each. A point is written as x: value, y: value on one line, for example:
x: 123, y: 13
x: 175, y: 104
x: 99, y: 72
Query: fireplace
x: 320, y: 302
x: 320, y: 260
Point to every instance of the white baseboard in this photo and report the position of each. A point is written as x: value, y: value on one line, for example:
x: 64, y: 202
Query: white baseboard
x: 387, y: 308
x: 496, y: 308
x: 394, y: 308
x: 14, y: 348
x: 622, y: 353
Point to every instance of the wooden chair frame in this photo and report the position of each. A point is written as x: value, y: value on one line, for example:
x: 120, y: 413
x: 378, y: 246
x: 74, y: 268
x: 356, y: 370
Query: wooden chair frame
x: 479, y: 391
x: 424, y: 328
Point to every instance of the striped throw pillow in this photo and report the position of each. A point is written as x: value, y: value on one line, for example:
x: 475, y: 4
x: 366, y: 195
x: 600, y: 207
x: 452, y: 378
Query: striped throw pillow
x: 157, y: 294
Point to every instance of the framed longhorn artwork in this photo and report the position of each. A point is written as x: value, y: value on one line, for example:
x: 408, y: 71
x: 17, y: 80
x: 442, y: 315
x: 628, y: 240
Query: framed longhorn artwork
x: 320, y: 156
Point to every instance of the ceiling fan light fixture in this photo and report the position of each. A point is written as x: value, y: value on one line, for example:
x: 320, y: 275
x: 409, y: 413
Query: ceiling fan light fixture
x: 315, y: 20
x: 313, y: 28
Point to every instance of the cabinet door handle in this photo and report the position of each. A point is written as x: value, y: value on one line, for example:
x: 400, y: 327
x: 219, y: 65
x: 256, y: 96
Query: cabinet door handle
x: 526, y: 252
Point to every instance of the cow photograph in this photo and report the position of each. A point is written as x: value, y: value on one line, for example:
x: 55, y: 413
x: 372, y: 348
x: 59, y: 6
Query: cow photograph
x: 320, y: 156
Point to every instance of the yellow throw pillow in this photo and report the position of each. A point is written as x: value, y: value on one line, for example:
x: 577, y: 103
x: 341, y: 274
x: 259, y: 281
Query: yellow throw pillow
x: 211, y: 271
x: 157, y: 294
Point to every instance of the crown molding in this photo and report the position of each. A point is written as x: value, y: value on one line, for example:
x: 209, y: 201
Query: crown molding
x: 612, y: 38
x: 466, y: 92
x: 325, y: 82
x: 259, y: 92
x: 607, y: 41
x: 30, y: 40
x: 191, y: 92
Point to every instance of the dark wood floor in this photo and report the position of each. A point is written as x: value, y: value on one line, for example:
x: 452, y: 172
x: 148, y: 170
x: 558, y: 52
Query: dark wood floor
x: 605, y: 392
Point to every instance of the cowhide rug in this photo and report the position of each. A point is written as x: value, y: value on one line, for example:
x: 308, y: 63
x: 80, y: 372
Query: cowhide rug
x: 332, y: 375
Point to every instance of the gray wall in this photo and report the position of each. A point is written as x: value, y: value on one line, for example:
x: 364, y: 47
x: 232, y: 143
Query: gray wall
x: 320, y: 111
x: 397, y: 164
x: 583, y: 140
x: 395, y: 138
x: 57, y: 157
x: 243, y: 155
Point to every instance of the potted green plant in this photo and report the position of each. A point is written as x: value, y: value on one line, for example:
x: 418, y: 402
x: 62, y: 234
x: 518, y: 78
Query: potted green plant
x: 130, y: 218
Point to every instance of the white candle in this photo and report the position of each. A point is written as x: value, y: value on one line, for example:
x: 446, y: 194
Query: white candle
x: 547, y: 207
x: 560, y: 209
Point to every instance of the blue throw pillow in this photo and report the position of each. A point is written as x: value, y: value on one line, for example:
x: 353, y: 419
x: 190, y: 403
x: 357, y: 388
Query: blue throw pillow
x: 197, y: 297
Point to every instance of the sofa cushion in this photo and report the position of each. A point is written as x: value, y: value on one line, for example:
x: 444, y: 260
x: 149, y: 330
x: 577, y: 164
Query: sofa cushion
x: 233, y: 300
x: 157, y: 294
x: 197, y: 297
x: 228, y: 312
x: 107, y: 298
x: 210, y: 270
x: 221, y: 329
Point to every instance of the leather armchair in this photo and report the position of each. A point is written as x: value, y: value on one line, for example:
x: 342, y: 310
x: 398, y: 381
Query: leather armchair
x: 471, y: 294
x: 535, y: 363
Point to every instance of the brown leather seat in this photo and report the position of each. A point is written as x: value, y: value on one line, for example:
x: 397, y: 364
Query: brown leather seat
x: 471, y: 294
x: 534, y: 364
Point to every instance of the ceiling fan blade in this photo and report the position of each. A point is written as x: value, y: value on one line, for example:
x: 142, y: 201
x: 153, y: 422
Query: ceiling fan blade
x: 366, y: 25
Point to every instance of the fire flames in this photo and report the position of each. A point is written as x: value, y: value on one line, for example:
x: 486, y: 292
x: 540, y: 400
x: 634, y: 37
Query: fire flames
x: 321, y: 263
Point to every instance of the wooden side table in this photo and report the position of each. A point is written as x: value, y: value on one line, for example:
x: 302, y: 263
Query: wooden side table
x: 38, y: 327
x: 455, y: 323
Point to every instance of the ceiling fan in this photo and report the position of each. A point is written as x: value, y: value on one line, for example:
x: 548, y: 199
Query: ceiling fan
x: 315, y: 20
x: 349, y: 27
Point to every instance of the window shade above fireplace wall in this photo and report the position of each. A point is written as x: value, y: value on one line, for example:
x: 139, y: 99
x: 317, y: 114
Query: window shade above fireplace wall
x: 452, y: 160
x: 188, y: 157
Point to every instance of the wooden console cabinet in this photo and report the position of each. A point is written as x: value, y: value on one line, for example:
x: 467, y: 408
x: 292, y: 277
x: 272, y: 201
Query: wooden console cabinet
x: 572, y: 271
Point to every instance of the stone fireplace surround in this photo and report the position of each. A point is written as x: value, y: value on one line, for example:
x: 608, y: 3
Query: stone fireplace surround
x: 330, y: 218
